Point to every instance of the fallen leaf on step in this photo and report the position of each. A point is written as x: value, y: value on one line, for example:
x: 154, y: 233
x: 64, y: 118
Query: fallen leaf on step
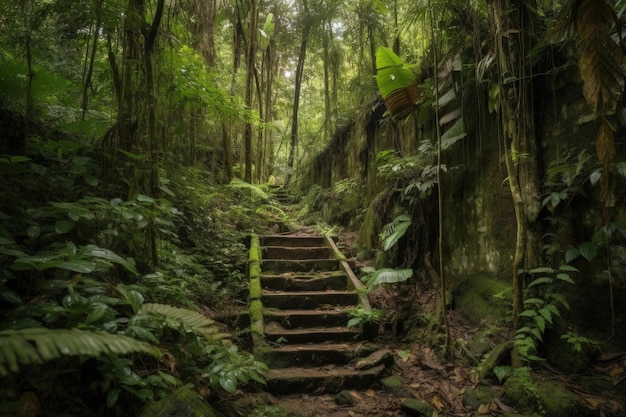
x: 484, y: 409
x: 437, y: 403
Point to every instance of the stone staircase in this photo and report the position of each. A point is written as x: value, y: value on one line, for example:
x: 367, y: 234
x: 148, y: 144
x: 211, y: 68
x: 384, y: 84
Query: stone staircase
x: 301, y: 291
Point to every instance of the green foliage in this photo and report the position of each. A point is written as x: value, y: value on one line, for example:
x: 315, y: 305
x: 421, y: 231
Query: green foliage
x: 541, y: 309
x: 360, y: 316
x: 189, y: 319
x: 392, y: 73
x: 37, y: 345
x: 384, y: 276
x: 393, y: 231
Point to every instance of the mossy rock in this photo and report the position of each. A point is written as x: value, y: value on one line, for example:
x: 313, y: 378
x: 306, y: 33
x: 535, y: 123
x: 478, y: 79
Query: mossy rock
x: 417, y: 408
x: 548, y: 398
x: 395, y: 385
x: 562, y: 354
x: 474, y: 397
x: 520, y: 393
x: 558, y: 401
x: 499, y: 355
x: 181, y: 403
x: 482, y: 297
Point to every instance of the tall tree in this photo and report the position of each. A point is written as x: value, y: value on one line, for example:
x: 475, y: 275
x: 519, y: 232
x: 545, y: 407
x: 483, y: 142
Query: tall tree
x: 251, y: 50
x: 308, y: 19
x: 512, y: 48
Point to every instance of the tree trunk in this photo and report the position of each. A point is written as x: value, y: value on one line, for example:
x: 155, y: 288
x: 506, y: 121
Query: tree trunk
x: 293, y: 144
x: 519, y: 136
x: 250, y: 62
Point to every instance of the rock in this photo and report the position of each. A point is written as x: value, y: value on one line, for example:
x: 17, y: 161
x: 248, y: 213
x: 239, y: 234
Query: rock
x: 414, y: 407
x: 181, y: 403
x: 470, y: 397
x: 346, y: 398
x: 380, y: 357
x: 500, y: 355
x: 394, y: 385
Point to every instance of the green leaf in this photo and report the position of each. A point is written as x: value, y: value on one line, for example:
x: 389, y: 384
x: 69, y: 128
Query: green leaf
x: 542, y: 270
x: 565, y: 277
x: 391, y: 276
x: 37, y: 345
x: 392, y: 73
x: 546, y: 314
x: 572, y: 254
x: 568, y: 268
x: 588, y: 250
x: 541, y: 280
x: 84, y: 267
x: 501, y: 372
x: 229, y: 384
x: 131, y: 155
x: 62, y: 226
x: 91, y: 180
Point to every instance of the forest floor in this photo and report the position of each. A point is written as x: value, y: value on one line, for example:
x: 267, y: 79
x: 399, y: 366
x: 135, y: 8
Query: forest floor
x: 425, y: 376
x: 428, y: 378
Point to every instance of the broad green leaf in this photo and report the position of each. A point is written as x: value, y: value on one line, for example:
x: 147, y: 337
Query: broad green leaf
x: 588, y: 250
x: 571, y: 254
x: 391, y: 276
x: 569, y: 268
x: 84, y: 267
x: 392, y: 73
x: 229, y: 384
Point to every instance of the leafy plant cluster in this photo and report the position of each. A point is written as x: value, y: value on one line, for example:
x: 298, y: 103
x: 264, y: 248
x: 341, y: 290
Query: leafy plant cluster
x: 84, y: 299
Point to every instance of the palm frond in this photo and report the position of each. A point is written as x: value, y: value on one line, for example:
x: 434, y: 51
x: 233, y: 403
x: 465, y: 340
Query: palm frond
x: 39, y: 345
x: 195, y: 321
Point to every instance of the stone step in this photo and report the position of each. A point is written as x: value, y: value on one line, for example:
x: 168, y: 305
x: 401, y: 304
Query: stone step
x: 308, y: 299
x: 316, y: 354
x: 306, y: 252
x: 278, y: 266
x: 318, y: 281
x: 277, y: 334
x: 288, y: 319
x: 327, y: 379
x: 292, y: 241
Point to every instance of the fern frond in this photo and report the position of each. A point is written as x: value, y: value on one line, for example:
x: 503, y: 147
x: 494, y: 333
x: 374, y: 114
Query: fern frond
x: 255, y: 190
x: 195, y: 321
x: 39, y: 345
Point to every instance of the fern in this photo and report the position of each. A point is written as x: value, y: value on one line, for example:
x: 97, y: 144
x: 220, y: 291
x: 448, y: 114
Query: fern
x: 38, y: 345
x: 256, y: 191
x: 193, y: 320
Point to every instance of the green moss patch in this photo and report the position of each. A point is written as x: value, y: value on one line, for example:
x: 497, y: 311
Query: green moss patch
x: 481, y: 297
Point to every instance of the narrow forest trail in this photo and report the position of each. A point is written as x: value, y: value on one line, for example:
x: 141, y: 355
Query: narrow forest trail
x: 301, y: 295
x: 307, y: 291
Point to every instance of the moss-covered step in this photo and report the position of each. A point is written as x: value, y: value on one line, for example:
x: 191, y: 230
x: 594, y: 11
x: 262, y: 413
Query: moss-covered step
x: 317, y: 281
x: 316, y: 354
x: 278, y: 266
x: 327, y: 316
x: 307, y: 252
x: 292, y: 241
x: 286, y: 300
x: 320, y: 380
x: 277, y: 334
